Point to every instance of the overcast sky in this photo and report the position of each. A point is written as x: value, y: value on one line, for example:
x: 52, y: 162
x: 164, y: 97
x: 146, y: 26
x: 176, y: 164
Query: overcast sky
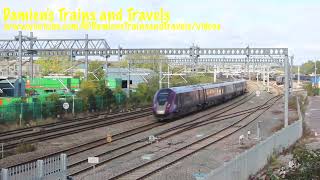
x: 257, y: 23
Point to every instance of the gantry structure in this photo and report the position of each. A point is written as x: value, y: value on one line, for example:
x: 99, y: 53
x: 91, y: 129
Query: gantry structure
x: 251, y: 58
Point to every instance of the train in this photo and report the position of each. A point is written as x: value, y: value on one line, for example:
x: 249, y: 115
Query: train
x: 175, y: 102
x: 280, y: 80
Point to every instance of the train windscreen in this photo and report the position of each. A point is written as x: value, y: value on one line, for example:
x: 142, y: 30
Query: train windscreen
x: 163, y: 97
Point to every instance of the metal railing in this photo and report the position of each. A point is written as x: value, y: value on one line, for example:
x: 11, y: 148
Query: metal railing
x: 54, y: 168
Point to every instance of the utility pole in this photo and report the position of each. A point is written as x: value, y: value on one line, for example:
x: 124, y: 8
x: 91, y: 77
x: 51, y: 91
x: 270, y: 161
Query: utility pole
x: 20, y: 64
x: 286, y: 94
x: 31, y: 56
x: 264, y: 77
x: 128, y: 82
x: 107, y: 66
x: 248, y: 65
x: 315, y: 72
x: 299, y: 75
x: 86, y: 59
x: 290, y: 75
x: 214, y: 74
x: 268, y: 76
x: 168, y: 76
x: 160, y: 74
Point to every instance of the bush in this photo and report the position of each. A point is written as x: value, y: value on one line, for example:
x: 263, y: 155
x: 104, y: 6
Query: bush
x: 309, y: 167
x: 312, y: 91
x: 25, y: 147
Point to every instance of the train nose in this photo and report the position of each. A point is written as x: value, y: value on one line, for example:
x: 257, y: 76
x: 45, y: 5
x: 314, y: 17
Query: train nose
x: 160, y: 109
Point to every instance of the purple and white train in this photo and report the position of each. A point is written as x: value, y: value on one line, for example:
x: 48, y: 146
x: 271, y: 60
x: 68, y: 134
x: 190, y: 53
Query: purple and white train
x: 175, y: 102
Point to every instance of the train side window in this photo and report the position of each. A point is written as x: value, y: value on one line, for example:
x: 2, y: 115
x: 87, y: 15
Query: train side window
x: 181, y: 99
x: 177, y: 99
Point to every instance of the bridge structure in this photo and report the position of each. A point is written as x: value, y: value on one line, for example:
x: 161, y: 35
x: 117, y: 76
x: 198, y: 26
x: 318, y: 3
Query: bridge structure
x: 250, y: 59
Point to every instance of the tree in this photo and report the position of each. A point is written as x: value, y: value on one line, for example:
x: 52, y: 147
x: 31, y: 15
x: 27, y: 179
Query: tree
x: 144, y: 93
x: 54, y: 107
x: 87, y: 93
x: 153, y: 63
x: 106, y: 93
x: 78, y: 74
x: 96, y: 68
x: 307, y: 68
x: 53, y: 64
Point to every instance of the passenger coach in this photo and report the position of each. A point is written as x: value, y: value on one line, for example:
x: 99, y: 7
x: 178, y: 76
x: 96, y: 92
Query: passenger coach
x: 174, y: 102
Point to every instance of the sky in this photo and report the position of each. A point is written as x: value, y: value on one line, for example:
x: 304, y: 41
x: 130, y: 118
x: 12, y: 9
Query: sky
x: 257, y: 23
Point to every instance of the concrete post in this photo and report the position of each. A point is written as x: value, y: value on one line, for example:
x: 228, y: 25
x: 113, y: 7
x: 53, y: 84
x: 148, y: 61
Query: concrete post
x: 4, y: 174
x: 40, y: 171
x: 268, y: 78
x: 290, y: 75
x: 259, y: 130
x: 63, y: 166
x: 286, y: 94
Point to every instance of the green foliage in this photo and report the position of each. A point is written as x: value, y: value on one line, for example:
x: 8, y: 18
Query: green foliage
x: 96, y: 68
x: 53, y: 97
x: 25, y: 147
x: 53, y: 64
x: 120, y: 96
x: 309, y: 168
x: 87, y: 93
x: 55, y: 106
x: 191, y: 80
x: 144, y: 93
x: 78, y: 74
x: 312, y: 91
x: 307, y: 68
x: 105, y: 93
x: 154, y: 65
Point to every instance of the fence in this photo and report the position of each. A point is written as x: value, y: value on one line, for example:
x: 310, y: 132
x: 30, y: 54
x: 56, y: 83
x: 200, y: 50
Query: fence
x: 39, y: 110
x: 54, y: 168
x: 253, y: 160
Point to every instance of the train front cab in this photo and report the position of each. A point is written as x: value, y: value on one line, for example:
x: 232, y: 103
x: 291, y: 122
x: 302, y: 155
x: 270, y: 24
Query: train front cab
x: 163, y: 103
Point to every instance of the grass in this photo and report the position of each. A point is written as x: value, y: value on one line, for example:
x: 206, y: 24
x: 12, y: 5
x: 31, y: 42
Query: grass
x: 13, y: 126
x: 25, y: 147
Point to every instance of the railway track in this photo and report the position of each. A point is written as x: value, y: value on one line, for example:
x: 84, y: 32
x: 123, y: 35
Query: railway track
x: 66, y: 121
x: 13, y: 142
x: 102, y: 141
x: 185, y: 127
x: 153, y: 166
x: 84, y: 147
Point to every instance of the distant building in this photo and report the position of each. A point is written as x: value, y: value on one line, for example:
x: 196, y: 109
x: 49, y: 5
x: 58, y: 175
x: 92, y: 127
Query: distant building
x: 137, y: 75
x: 10, y: 68
x: 11, y: 88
